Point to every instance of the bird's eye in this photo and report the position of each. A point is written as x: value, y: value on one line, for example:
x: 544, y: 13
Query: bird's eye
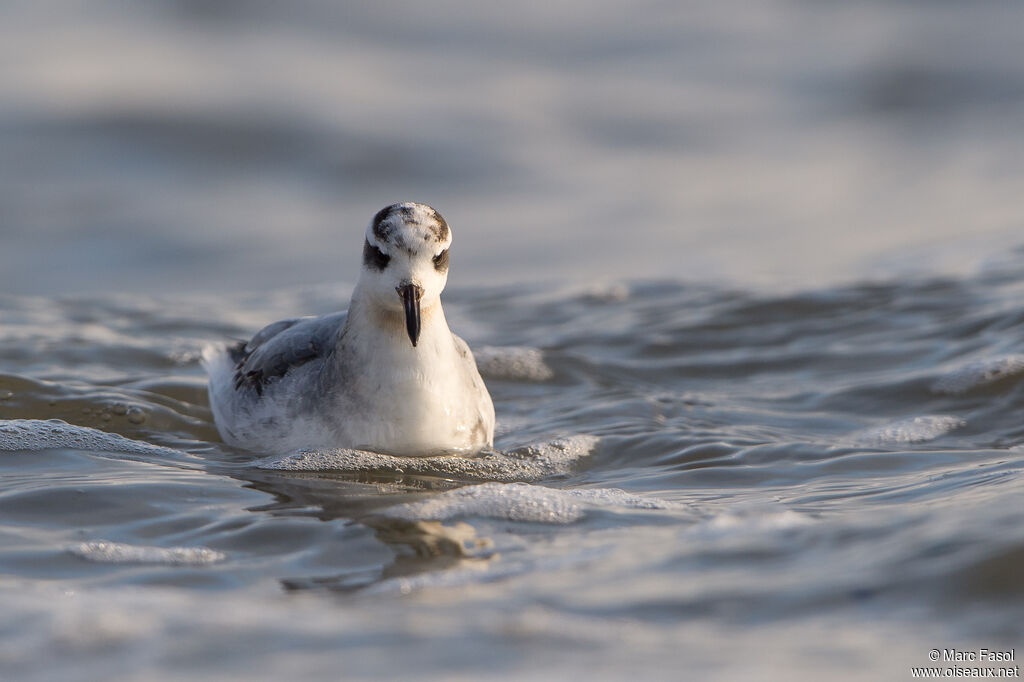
x: 441, y: 261
x: 374, y: 257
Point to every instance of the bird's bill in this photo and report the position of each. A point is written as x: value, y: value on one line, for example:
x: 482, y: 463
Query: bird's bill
x: 410, y: 295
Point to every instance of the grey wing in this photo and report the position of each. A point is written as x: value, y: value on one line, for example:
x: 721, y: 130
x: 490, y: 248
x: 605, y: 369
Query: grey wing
x: 282, y: 346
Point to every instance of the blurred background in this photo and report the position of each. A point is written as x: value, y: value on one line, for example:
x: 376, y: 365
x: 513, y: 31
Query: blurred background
x: 184, y: 145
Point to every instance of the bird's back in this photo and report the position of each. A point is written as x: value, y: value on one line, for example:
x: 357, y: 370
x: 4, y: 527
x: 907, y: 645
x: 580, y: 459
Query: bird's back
x: 263, y: 392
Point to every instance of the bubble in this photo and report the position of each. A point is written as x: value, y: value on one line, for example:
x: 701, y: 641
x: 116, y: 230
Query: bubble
x: 522, y: 502
x: 913, y: 430
x: 120, y: 553
x: 528, y: 463
x: 34, y: 435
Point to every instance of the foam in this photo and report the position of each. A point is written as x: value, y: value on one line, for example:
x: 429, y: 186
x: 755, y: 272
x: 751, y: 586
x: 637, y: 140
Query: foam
x: 607, y: 292
x: 980, y: 373
x: 528, y: 463
x: 751, y: 521
x: 913, y: 430
x: 520, y: 502
x: 54, y: 434
x: 119, y: 553
x: 514, y: 363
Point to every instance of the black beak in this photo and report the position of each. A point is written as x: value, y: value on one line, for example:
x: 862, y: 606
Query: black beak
x: 410, y: 294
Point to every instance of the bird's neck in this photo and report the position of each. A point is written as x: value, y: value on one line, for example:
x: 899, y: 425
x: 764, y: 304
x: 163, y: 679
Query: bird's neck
x: 385, y: 329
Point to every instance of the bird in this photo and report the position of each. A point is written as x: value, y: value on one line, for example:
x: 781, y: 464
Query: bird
x: 387, y: 375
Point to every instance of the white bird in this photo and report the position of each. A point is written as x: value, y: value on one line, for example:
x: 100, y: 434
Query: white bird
x: 387, y: 376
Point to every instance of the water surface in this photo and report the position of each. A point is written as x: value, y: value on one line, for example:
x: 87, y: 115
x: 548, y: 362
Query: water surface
x: 744, y: 280
x: 795, y: 481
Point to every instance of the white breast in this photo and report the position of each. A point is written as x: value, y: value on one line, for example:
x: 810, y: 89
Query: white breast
x: 413, y: 401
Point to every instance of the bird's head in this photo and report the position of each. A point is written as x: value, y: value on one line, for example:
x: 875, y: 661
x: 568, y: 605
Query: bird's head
x: 405, y: 261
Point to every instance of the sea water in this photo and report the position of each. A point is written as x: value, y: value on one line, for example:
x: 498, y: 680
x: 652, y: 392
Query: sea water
x: 744, y: 279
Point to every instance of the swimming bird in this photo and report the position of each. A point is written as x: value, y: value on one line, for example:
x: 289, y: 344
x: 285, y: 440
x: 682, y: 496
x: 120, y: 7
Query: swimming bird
x: 387, y: 375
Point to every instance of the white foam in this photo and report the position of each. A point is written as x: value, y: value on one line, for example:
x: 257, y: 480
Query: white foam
x: 515, y: 363
x: 521, y: 464
x: 53, y: 434
x: 607, y: 292
x: 521, y: 502
x: 119, y: 553
x: 913, y: 430
x: 752, y: 521
x: 980, y: 373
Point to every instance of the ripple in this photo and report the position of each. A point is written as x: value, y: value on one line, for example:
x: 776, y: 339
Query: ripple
x: 980, y: 373
x: 515, y: 363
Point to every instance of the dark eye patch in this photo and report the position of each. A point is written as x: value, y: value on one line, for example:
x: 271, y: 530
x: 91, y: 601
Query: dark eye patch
x: 441, y: 261
x: 374, y: 257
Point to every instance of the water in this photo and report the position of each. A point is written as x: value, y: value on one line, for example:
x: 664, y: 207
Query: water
x: 833, y: 477
x: 172, y: 145
x: 744, y: 279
